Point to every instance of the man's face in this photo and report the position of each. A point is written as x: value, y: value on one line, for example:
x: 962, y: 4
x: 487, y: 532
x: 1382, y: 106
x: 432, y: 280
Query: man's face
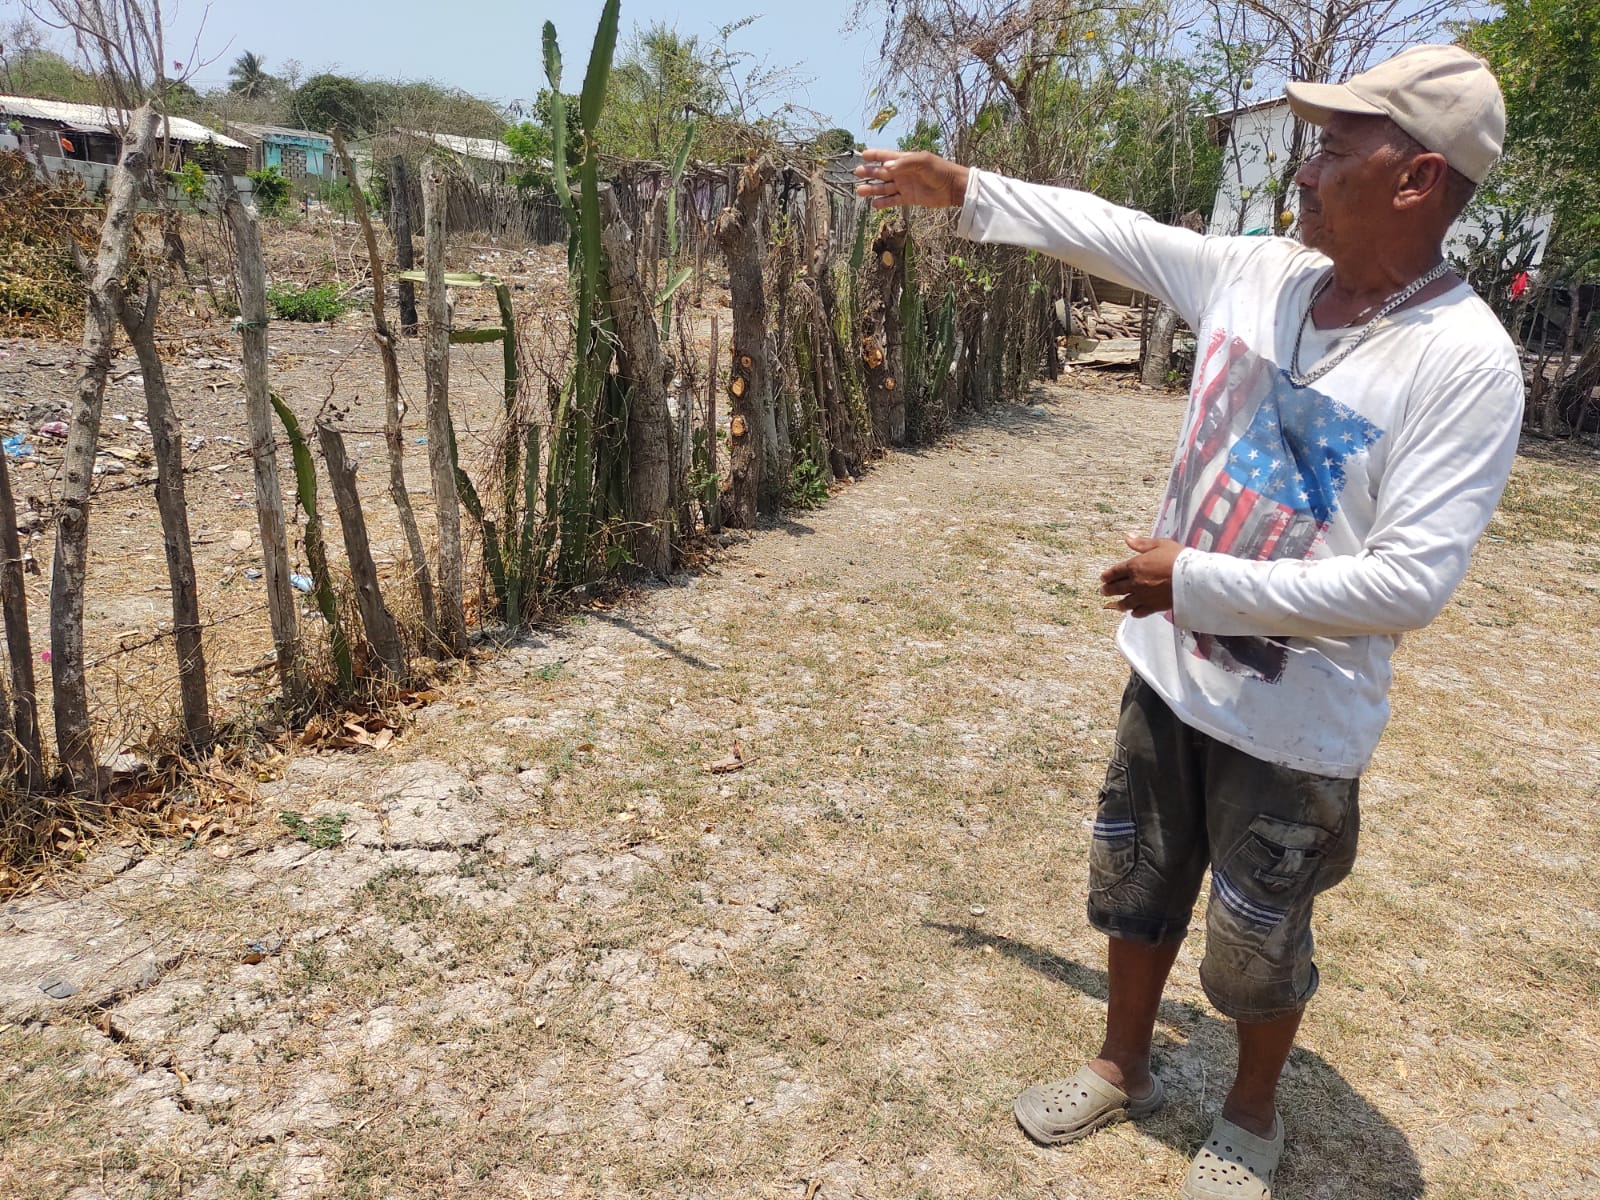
x: 1348, y: 185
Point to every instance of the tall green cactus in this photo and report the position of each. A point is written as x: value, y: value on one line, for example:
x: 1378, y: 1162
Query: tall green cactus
x: 675, y: 278
x: 571, y: 474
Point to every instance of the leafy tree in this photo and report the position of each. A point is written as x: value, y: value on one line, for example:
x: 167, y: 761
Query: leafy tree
x: 1546, y: 54
x: 925, y: 136
x: 334, y: 102
x: 424, y: 104
x: 47, y: 75
x: 530, y: 141
x: 179, y: 99
x: 831, y: 143
x: 1153, y: 153
x: 249, y: 77
x: 661, y: 81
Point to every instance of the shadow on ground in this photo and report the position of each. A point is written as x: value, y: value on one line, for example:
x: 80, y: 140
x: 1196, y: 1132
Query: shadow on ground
x: 1338, y: 1143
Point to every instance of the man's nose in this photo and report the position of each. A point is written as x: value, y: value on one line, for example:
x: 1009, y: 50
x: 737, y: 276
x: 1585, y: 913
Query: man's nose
x: 1309, y: 173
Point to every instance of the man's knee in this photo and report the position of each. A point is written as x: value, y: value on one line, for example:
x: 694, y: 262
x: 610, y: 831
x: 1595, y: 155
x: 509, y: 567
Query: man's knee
x: 1243, y: 990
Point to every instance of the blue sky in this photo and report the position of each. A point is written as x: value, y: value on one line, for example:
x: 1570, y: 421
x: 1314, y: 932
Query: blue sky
x: 492, y: 47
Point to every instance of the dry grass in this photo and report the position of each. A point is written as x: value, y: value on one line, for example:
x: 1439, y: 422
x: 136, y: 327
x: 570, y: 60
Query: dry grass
x: 581, y: 964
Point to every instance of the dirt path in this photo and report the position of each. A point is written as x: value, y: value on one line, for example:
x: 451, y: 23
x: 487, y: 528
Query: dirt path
x: 553, y: 954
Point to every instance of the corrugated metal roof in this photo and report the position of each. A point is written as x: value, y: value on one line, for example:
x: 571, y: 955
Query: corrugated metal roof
x: 263, y: 131
x: 484, y: 148
x: 93, y: 117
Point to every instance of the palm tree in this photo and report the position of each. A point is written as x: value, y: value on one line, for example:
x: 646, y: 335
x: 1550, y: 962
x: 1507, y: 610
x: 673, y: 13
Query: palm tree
x: 249, y: 75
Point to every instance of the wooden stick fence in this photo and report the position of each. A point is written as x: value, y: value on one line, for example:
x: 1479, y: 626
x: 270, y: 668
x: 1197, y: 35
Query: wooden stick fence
x: 842, y: 343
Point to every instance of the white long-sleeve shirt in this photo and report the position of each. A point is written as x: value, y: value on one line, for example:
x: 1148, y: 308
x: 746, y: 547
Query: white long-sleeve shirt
x: 1319, y: 523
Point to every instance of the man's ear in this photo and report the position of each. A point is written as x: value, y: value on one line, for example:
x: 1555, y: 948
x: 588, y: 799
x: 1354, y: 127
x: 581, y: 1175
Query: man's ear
x: 1424, y: 176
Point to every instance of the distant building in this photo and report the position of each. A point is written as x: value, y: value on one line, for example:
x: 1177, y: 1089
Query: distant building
x: 1255, y: 146
x: 86, y: 139
x: 306, y: 157
x: 482, y: 159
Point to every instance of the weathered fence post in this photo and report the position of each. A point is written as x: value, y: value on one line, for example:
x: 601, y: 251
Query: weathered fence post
x: 305, y: 477
x: 166, y: 435
x: 641, y: 367
x: 74, y: 733
x: 881, y: 335
x: 436, y: 366
x: 404, y: 251
x: 252, y: 281
x: 19, y: 643
x: 751, y: 428
x: 382, y: 634
x: 393, y: 410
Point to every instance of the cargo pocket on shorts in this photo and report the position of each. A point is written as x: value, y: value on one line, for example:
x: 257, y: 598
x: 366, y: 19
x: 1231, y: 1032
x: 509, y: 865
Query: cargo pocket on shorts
x: 1273, y: 869
x: 1114, y: 844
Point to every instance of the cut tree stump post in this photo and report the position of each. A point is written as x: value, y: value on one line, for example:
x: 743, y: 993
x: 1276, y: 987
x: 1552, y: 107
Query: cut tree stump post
x: 252, y: 280
x: 74, y: 731
x: 713, y: 504
x: 404, y: 251
x: 19, y: 642
x: 382, y: 634
x: 393, y: 405
x: 642, y: 369
x: 166, y: 436
x: 752, y: 432
x: 881, y: 335
x: 436, y: 366
x: 1156, y: 351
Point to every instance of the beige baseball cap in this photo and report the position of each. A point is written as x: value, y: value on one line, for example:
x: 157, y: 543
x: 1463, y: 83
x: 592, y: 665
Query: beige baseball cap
x: 1443, y: 96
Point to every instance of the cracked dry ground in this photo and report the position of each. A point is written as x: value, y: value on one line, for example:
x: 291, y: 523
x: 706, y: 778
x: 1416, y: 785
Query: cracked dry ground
x: 556, y: 956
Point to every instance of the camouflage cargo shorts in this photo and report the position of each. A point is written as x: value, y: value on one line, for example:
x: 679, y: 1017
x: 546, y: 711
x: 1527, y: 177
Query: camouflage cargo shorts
x: 1177, y: 801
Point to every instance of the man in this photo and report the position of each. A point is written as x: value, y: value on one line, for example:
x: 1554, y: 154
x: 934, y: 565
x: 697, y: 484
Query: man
x: 1352, y: 421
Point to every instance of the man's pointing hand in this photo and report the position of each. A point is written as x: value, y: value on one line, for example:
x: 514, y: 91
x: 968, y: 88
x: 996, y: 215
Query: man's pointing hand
x: 913, y: 177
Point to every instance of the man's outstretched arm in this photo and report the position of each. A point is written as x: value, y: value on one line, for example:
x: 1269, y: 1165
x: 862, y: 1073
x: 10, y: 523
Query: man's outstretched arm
x: 1176, y: 265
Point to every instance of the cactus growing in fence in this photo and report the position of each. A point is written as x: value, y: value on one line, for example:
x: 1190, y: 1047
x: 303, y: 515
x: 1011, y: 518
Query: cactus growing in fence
x: 569, y: 486
x: 678, y: 279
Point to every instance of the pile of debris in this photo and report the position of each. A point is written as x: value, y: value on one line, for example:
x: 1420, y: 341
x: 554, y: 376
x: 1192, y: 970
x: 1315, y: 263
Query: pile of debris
x: 1100, y: 335
x: 40, y: 289
x: 1109, y: 320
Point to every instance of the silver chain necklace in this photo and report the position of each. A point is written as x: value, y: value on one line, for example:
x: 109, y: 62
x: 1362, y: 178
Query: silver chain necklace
x: 1394, y: 302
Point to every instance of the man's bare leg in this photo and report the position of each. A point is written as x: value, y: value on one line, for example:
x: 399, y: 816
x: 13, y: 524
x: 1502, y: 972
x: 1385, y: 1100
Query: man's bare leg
x: 1136, y: 973
x: 1263, y: 1049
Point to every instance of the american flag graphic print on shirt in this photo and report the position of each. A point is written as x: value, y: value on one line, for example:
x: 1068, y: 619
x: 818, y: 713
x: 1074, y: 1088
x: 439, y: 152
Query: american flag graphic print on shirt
x: 1259, y: 476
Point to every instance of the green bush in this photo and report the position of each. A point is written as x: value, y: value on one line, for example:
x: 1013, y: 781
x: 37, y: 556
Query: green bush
x: 191, y: 181
x: 271, y: 191
x: 318, y: 302
x: 335, y: 193
x: 808, y: 484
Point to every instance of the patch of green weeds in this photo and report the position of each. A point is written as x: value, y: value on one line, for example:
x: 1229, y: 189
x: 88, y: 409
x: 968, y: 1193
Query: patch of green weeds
x: 399, y: 894
x: 324, y: 833
x: 316, y: 302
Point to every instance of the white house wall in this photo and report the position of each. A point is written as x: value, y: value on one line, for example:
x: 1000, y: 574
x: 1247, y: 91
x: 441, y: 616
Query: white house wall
x: 1256, y: 150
